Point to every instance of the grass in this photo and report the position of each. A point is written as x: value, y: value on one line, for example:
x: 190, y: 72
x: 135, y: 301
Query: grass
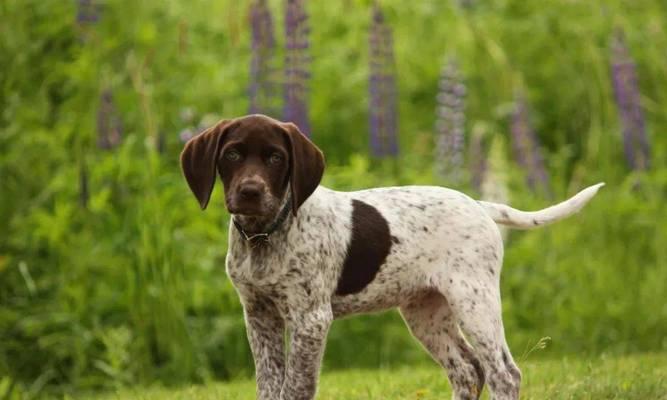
x: 631, y: 377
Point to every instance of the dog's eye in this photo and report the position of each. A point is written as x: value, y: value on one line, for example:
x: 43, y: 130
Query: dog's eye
x: 275, y: 158
x: 233, y: 155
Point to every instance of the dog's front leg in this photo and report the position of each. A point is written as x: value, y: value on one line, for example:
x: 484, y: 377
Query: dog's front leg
x: 309, y: 333
x: 266, y: 329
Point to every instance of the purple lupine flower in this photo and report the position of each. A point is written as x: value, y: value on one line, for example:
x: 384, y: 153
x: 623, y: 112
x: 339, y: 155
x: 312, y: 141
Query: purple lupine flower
x: 477, y: 160
x: 297, y: 61
x: 187, y: 117
x: 383, y: 109
x: 527, y: 148
x: 264, y: 89
x: 109, y: 126
x: 87, y: 12
x: 450, y: 124
x: 626, y: 92
x: 186, y: 134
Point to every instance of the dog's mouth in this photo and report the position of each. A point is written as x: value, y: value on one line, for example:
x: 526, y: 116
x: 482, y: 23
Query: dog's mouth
x: 255, y: 209
x: 253, y: 222
x: 247, y: 212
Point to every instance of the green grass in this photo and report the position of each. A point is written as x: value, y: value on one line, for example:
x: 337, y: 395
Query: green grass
x: 632, y: 377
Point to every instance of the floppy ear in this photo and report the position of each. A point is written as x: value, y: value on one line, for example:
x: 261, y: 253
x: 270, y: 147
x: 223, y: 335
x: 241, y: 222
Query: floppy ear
x: 306, y: 165
x: 199, y: 159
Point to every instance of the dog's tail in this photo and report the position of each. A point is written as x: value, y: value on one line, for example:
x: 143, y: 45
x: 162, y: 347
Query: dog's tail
x: 506, y: 215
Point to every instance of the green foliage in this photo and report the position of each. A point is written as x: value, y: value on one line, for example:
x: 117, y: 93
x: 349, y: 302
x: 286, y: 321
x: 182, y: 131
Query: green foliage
x: 129, y: 286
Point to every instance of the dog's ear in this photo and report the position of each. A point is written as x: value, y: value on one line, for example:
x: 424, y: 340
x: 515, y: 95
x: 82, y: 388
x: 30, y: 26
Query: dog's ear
x: 199, y: 159
x: 306, y: 165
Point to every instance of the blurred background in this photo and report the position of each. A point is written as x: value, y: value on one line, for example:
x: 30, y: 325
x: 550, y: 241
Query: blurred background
x: 111, y: 276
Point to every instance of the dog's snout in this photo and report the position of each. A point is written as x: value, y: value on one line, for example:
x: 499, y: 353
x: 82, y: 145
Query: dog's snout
x: 251, y: 189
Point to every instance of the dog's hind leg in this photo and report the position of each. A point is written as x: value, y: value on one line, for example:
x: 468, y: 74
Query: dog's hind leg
x: 475, y: 303
x: 431, y: 322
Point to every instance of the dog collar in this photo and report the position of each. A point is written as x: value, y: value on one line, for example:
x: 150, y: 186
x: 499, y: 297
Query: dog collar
x: 264, y: 236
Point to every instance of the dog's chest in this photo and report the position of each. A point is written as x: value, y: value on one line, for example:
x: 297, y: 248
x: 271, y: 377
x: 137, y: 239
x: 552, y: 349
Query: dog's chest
x: 290, y: 275
x: 311, y: 251
x: 258, y: 270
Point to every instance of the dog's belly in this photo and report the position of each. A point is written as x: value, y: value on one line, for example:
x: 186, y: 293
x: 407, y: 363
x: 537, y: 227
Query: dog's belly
x: 395, y: 283
x: 371, y: 300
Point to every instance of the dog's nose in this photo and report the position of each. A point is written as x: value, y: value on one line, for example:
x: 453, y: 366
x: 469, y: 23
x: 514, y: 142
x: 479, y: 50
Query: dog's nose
x: 251, y: 190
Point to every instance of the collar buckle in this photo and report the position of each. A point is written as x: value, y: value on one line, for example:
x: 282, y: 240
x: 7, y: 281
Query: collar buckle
x: 250, y: 238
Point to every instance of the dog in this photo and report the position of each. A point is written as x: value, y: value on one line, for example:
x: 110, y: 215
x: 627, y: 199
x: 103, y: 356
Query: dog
x: 301, y: 255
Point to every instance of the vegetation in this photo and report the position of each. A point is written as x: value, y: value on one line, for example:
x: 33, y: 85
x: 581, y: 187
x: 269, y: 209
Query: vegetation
x: 111, y: 276
x: 637, y: 377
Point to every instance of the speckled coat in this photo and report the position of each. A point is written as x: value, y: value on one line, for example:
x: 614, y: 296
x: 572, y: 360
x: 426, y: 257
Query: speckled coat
x: 301, y: 255
x: 434, y: 253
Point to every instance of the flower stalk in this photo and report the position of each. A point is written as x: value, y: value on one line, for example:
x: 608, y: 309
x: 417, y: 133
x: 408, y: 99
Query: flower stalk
x: 383, y: 109
x: 628, y: 102
x: 264, y: 89
x: 450, y: 124
x: 527, y: 147
x: 297, y: 62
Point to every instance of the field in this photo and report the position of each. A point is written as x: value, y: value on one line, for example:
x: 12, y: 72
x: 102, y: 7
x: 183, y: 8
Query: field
x: 599, y: 378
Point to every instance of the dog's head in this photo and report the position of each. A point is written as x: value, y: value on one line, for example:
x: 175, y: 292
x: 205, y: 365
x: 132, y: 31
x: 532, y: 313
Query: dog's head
x: 257, y: 158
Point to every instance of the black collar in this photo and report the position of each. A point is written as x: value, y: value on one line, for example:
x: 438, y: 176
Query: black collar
x: 264, y: 236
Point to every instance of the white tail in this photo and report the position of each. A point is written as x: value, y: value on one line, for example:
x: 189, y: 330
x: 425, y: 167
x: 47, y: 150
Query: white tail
x: 506, y: 215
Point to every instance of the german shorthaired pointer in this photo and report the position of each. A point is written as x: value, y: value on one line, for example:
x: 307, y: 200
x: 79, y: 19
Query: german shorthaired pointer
x: 301, y: 255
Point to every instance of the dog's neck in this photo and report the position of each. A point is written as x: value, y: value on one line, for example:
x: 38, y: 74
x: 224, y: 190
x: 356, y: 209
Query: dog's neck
x: 257, y: 230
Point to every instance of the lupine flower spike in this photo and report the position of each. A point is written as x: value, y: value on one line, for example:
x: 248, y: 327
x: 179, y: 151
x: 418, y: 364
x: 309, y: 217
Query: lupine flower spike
x: 187, y: 115
x: 109, y: 127
x: 450, y: 124
x: 477, y: 159
x: 527, y: 148
x: 264, y: 89
x: 382, y: 88
x: 88, y: 12
x: 626, y: 92
x: 495, y: 180
x: 297, y: 62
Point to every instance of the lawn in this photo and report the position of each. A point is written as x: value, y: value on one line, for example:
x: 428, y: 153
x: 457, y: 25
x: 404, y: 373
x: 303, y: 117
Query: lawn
x: 632, y: 377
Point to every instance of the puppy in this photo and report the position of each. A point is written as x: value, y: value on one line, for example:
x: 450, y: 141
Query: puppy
x: 301, y: 255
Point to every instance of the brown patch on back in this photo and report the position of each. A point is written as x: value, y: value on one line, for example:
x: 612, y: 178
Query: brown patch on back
x: 367, y: 251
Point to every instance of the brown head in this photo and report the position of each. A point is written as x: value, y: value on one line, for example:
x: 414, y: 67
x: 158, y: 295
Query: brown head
x: 257, y: 158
